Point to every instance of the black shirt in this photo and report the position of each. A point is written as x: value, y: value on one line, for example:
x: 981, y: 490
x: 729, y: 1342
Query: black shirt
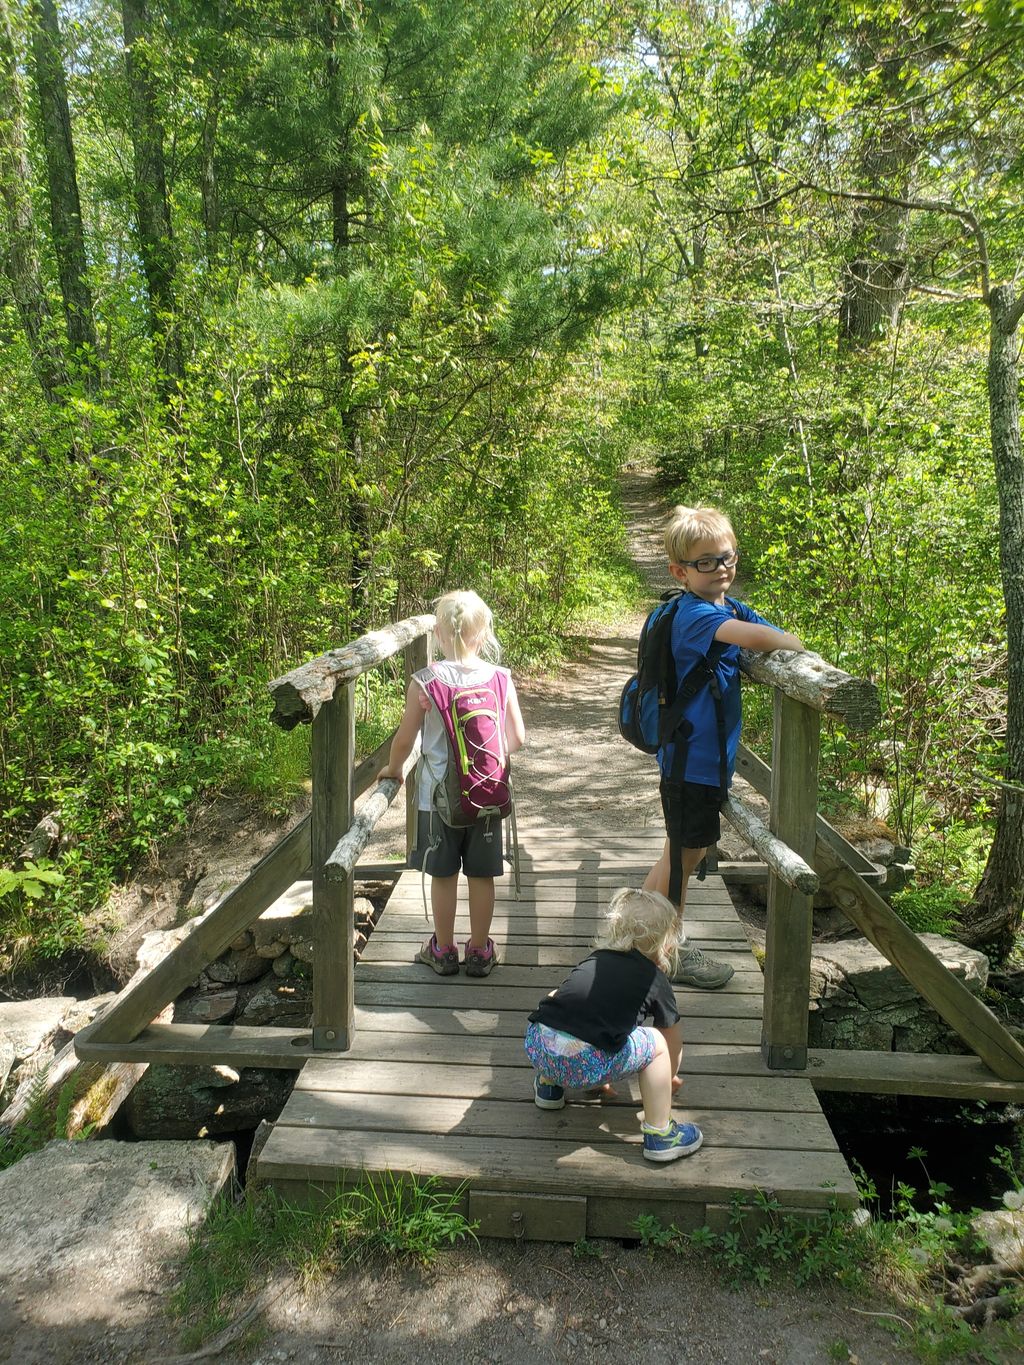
x: 604, y: 999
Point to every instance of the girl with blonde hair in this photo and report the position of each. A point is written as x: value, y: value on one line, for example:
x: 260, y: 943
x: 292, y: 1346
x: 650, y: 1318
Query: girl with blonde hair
x: 590, y: 1031
x: 465, y: 634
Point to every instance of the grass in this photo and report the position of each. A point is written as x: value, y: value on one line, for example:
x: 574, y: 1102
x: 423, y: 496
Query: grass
x: 242, y: 1241
x: 913, y: 1257
x: 45, y: 1119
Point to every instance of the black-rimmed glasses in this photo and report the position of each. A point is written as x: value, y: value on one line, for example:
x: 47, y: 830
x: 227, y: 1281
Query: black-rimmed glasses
x: 709, y: 563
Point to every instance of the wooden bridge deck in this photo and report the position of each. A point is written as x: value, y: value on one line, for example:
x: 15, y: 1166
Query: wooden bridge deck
x: 437, y: 1082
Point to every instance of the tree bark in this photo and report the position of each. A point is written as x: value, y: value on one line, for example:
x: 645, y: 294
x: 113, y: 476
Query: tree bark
x: 997, y: 911
x: 876, y: 274
x: 152, y: 208
x: 22, y: 257
x: 62, y: 177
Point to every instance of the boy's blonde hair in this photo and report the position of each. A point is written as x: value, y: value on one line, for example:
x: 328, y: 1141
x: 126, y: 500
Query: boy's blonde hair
x: 688, y: 526
x: 465, y: 626
x: 644, y: 920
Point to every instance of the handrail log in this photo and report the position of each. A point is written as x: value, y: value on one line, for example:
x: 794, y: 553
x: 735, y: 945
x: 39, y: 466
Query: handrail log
x: 357, y: 836
x: 299, y: 695
x: 818, y: 684
x: 788, y: 866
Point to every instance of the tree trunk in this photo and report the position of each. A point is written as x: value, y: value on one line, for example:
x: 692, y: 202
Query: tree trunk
x: 997, y: 911
x: 152, y: 209
x: 876, y: 275
x: 22, y: 250
x: 62, y: 176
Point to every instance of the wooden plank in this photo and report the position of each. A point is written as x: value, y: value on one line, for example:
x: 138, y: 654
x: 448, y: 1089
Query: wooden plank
x: 496, y: 1040
x: 787, y: 964
x: 609, y: 1217
x: 812, y: 1179
x: 947, y: 995
x: 549, y: 920
x: 333, y: 749
x: 439, y: 994
x: 144, y: 997
x: 775, y: 1094
x: 392, y: 953
x: 910, y: 1073
x: 515, y: 1120
x: 530, y: 1217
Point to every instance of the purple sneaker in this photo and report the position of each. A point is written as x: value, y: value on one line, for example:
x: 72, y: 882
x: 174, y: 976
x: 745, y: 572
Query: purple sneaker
x: 444, y: 961
x: 481, y: 962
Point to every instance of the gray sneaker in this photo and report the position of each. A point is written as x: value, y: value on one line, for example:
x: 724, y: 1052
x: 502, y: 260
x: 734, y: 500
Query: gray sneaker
x: 697, y: 970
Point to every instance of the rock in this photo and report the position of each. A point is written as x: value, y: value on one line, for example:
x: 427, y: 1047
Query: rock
x: 32, y: 1033
x: 233, y: 966
x: 280, y: 921
x: 243, y: 941
x: 272, y: 949
x: 182, y: 1101
x: 302, y: 949
x: 205, y: 1007
x: 859, y: 1000
x: 283, y: 966
x: 1002, y: 1231
x: 7, y: 1057
x: 84, y: 1224
x: 286, y: 1005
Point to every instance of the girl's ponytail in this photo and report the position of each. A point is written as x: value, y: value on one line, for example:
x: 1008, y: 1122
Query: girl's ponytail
x: 464, y: 621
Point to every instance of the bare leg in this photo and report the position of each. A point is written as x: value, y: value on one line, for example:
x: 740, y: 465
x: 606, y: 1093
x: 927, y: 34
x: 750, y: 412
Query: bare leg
x: 443, y: 895
x: 656, y: 1085
x: 481, y: 910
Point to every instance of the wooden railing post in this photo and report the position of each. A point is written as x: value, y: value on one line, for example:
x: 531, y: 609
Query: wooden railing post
x: 793, y: 808
x: 334, y: 747
x: 417, y: 656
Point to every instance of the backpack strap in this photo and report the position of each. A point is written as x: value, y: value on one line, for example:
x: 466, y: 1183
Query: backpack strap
x: 676, y: 730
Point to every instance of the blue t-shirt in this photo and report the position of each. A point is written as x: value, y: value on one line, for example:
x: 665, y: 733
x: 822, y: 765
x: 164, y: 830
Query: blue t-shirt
x: 693, y: 634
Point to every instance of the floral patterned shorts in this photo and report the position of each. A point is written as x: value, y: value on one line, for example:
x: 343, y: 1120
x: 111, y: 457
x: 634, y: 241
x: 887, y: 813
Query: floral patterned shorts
x: 569, y: 1061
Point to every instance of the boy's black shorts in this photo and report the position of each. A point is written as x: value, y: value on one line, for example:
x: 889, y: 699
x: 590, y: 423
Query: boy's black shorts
x: 467, y: 847
x: 695, y: 811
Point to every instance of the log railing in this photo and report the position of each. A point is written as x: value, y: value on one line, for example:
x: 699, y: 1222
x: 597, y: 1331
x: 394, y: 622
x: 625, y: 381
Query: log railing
x: 798, y: 841
x: 325, y: 843
x: 801, y: 852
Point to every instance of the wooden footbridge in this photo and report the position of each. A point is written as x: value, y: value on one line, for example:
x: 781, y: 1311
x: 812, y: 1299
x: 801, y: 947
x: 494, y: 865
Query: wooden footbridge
x: 405, y: 1072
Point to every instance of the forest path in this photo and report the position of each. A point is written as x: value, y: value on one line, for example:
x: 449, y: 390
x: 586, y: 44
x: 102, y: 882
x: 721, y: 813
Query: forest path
x: 576, y: 770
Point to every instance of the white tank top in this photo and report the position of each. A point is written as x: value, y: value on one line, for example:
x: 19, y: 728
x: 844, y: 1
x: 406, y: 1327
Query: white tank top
x: 430, y: 770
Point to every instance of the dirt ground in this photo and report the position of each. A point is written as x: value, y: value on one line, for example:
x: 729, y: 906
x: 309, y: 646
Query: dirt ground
x: 500, y: 1302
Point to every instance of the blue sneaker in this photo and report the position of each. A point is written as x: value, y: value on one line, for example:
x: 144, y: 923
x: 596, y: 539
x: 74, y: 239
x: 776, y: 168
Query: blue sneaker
x: 668, y: 1144
x: 547, y: 1095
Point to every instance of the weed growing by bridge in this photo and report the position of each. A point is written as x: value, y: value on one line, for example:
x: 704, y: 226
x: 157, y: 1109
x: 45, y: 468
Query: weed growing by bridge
x: 244, y: 1239
x: 917, y: 1256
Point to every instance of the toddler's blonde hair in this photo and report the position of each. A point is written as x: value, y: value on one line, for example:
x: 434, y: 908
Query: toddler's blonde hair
x: 644, y: 920
x: 688, y: 526
x: 465, y: 626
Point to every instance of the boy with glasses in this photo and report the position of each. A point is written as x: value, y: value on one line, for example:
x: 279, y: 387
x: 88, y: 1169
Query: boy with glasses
x: 708, y: 628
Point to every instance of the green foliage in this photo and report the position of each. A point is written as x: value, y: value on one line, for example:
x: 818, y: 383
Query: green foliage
x: 45, y: 1120
x: 241, y: 1240
x: 910, y: 1255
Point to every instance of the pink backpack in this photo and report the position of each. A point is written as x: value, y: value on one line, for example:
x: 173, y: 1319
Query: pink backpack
x: 477, y: 781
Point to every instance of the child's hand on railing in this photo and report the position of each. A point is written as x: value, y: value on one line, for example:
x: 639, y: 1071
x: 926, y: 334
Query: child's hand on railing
x: 392, y: 771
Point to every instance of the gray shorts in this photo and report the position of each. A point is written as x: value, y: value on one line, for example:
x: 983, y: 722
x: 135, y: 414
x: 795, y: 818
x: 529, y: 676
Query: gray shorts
x: 475, y: 848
